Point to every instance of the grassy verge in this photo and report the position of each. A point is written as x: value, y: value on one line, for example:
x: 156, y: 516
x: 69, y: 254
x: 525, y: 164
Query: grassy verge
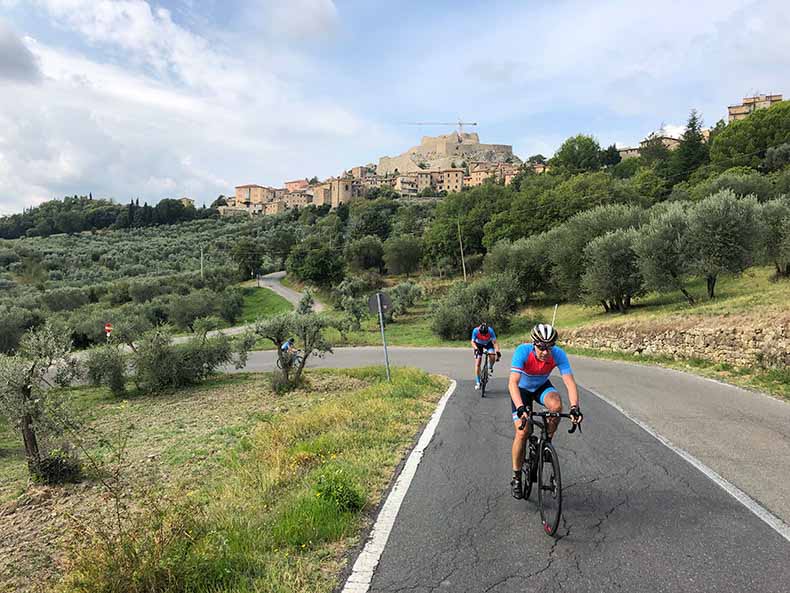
x: 236, y: 489
x: 262, y: 303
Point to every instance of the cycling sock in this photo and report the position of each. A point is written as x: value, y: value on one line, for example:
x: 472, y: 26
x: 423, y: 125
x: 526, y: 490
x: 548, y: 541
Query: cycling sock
x: 516, y: 474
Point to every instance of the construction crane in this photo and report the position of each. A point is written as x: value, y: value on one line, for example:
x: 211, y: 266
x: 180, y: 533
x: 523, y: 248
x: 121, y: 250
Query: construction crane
x: 458, y: 123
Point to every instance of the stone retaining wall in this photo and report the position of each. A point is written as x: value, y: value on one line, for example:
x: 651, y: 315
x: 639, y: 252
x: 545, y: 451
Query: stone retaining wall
x: 739, y: 340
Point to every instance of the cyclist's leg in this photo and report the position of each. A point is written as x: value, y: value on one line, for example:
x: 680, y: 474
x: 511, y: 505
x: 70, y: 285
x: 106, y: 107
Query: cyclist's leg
x: 491, y: 355
x: 520, y: 436
x: 478, y: 358
x: 550, y: 399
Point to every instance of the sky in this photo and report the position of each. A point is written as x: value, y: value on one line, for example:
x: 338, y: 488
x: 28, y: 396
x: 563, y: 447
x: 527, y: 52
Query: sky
x: 153, y: 99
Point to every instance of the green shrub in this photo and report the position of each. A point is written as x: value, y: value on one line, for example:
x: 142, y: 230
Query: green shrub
x: 404, y: 296
x: 335, y: 484
x: 106, y: 366
x: 162, y: 365
x: 493, y: 299
x: 59, y: 466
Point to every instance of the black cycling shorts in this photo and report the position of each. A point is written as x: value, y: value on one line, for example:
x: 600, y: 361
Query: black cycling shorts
x: 488, y: 347
x: 527, y: 397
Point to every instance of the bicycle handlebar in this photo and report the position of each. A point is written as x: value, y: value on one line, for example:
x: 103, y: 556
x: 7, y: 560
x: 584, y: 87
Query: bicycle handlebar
x: 527, y: 418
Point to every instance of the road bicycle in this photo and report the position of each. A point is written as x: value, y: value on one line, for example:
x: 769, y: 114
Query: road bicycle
x: 296, y: 359
x: 484, y: 372
x: 542, y: 465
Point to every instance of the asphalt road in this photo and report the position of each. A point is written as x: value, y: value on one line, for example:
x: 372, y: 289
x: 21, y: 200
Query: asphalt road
x: 273, y: 281
x: 637, y: 516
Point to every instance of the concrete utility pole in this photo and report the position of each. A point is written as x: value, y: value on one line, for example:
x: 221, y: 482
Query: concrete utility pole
x: 201, y: 262
x: 461, y: 243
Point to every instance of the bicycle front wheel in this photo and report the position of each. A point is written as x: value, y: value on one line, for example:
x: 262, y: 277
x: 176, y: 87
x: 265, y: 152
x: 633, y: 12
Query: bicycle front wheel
x: 549, y: 489
x: 527, y: 473
x: 483, y: 380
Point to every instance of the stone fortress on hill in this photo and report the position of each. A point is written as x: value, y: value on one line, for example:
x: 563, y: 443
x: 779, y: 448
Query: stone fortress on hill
x: 446, y: 152
x: 439, y: 165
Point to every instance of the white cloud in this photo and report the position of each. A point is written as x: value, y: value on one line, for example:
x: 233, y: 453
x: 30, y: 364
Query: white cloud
x: 175, y: 116
x: 303, y: 19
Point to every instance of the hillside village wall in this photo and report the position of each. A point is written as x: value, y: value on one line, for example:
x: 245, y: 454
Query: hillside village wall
x: 446, y: 152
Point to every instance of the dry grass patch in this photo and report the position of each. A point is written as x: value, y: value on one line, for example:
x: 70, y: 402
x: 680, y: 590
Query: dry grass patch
x: 230, y: 487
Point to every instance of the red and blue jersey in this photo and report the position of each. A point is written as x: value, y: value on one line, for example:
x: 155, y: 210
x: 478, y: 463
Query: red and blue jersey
x: 534, y: 372
x: 479, y: 337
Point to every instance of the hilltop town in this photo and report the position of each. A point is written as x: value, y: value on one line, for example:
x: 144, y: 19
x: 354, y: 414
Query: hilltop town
x: 437, y: 166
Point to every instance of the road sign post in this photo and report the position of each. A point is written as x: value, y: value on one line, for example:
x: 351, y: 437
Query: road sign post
x: 108, y: 330
x: 380, y: 302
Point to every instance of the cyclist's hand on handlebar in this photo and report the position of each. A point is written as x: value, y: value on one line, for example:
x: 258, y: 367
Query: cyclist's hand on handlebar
x: 576, y: 415
x: 521, y: 410
x: 498, y: 356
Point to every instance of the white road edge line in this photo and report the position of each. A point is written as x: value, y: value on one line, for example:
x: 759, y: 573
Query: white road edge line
x: 769, y: 518
x: 362, y: 573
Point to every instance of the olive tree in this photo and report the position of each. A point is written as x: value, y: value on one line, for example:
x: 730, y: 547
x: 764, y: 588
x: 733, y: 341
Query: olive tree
x: 365, y: 253
x: 774, y: 220
x: 722, y: 232
x: 569, y: 240
x: 28, y: 394
x: 665, y: 253
x: 402, y: 254
x: 612, y: 276
x: 308, y: 329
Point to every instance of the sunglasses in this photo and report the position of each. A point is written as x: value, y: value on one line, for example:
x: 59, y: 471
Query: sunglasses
x: 542, y: 346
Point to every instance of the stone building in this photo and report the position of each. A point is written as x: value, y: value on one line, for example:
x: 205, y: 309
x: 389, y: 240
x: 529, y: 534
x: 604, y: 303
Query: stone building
x: 406, y: 185
x: 298, y: 185
x: 629, y: 152
x: 274, y: 207
x: 255, y: 194
x: 445, y: 152
x: 322, y: 194
x: 297, y: 199
x: 751, y: 104
x: 500, y: 172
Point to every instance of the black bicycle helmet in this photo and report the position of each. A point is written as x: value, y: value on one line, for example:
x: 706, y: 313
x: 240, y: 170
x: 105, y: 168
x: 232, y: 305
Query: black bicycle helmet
x: 545, y: 334
x: 484, y: 327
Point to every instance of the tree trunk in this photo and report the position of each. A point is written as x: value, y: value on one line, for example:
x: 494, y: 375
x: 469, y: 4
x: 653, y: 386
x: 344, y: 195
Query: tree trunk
x: 605, y: 305
x: 300, y: 368
x: 686, y: 294
x: 32, y: 453
x: 711, y: 286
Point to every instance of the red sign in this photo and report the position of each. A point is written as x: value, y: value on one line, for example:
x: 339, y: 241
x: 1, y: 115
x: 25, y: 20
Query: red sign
x: 108, y: 328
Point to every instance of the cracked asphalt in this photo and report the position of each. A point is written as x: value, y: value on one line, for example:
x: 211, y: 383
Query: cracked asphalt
x: 636, y: 516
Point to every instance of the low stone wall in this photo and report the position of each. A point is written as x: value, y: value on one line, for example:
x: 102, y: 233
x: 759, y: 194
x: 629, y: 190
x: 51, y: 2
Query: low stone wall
x: 739, y: 340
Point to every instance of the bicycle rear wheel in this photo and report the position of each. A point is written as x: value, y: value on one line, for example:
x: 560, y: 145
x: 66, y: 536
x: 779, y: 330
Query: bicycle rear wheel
x: 549, y: 489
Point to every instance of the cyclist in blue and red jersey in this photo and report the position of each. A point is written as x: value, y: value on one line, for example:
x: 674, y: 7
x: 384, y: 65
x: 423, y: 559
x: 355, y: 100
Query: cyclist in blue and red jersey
x: 484, y: 341
x: 529, y: 381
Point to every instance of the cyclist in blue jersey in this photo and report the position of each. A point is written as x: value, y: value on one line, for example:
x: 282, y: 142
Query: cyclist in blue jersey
x: 484, y: 341
x: 288, y: 346
x: 529, y: 381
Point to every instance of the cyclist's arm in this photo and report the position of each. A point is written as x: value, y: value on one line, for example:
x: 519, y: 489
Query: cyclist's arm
x: 496, y: 344
x: 512, y: 387
x: 573, y: 392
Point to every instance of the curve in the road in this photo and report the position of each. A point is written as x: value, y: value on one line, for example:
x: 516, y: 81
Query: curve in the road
x: 274, y: 282
x: 624, y: 489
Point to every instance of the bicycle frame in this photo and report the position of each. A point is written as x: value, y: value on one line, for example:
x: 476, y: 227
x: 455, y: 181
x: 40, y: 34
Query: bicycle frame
x: 544, y: 447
